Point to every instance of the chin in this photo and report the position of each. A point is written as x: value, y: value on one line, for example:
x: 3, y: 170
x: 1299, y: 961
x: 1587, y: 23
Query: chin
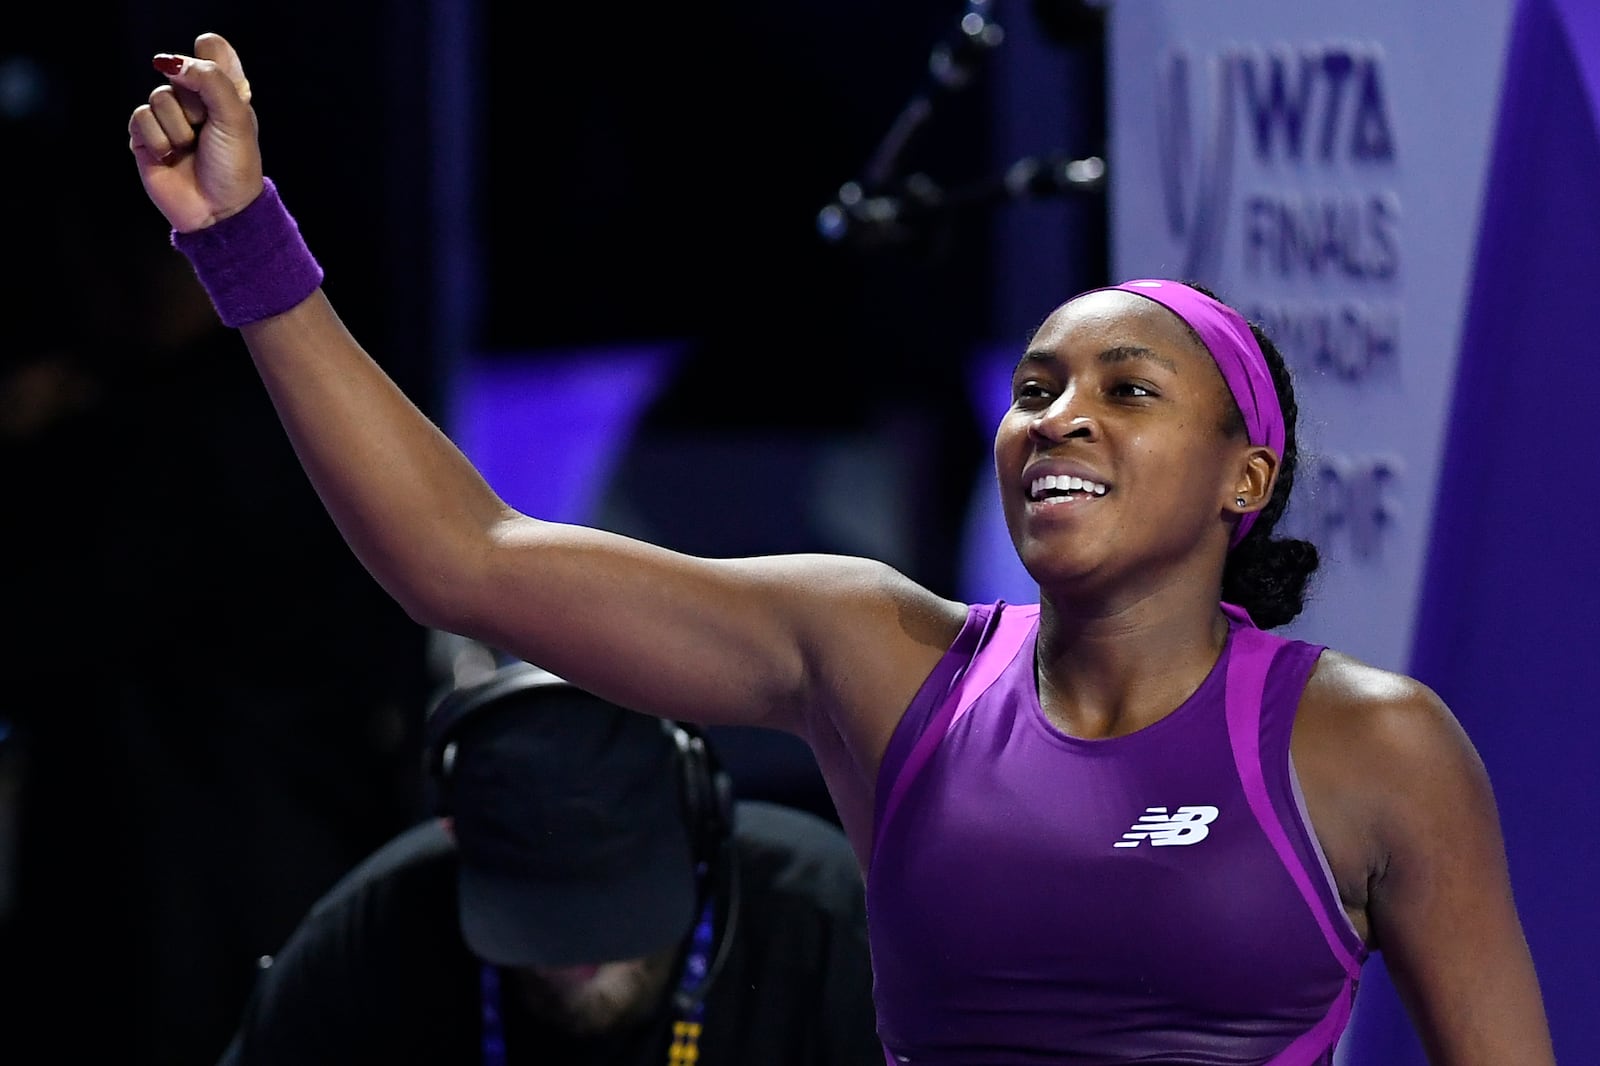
x: 616, y: 996
x: 1051, y: 562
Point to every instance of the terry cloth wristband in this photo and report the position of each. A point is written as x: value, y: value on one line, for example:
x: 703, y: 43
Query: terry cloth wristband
x: 253, y: 264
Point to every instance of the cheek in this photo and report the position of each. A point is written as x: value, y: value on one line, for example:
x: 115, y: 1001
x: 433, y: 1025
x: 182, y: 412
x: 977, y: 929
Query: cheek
x: 1195, y: 458
x: 1189, y: 441
x: 1161, y: 451
x: 1010, y: 438
x: 1172, y: 460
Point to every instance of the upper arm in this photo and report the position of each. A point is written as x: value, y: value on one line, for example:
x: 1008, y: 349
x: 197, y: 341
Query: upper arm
x: 1440, y: 902
x: 781, y: 641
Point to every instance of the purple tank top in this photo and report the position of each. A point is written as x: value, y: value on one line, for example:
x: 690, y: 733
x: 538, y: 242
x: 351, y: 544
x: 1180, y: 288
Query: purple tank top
x: 1152, y: 898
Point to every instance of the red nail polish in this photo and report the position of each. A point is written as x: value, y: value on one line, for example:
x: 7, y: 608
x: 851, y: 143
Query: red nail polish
x: 167, y: 64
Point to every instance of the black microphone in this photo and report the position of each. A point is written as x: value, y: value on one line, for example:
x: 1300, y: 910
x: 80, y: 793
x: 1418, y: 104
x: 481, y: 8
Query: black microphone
x: 880, y: 219
x: 1031, y: 177
x: 887, y: 219
x: 951, y: 67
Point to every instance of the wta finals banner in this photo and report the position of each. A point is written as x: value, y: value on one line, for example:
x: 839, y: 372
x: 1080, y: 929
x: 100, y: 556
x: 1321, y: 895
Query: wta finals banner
x: 1320, y: 166
x: 1408, y: 204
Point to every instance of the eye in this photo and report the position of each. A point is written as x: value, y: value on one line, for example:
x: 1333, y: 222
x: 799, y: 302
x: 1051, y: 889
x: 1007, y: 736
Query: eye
x: 1133, y: 390
x: 1030, y: 392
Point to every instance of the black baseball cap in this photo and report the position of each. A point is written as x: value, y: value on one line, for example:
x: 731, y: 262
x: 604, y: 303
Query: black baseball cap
x: 569, y: 822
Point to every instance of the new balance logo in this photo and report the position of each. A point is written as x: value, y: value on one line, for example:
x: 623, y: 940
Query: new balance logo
x: 1186, y: 825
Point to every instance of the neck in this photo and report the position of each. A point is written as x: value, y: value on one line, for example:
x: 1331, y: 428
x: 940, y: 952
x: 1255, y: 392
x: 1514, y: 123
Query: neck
x: 1109, y: 672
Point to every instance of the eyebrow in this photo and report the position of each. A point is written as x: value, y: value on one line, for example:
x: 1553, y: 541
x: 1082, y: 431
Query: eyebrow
x: 1122, y: 353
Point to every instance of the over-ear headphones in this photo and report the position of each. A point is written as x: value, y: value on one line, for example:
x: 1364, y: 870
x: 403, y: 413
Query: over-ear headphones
x: 705, y: 789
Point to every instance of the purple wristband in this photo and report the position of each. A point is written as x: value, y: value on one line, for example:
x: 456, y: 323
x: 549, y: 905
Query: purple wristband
x: 253, y: 264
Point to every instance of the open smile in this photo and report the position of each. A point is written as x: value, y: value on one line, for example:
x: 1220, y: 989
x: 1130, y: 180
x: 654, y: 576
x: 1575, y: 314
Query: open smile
x: 1060, y: 488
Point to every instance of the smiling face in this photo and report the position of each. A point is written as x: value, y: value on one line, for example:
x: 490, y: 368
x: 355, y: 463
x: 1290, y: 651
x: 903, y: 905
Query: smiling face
x: 1114, y: 463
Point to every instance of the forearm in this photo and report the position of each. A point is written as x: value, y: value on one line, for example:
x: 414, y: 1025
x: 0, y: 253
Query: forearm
x: 409, y: 504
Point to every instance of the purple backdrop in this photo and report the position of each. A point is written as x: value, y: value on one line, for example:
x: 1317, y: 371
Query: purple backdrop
x: 1507, y: 622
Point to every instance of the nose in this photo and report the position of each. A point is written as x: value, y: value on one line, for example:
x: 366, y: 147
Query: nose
x: 1066, y: 418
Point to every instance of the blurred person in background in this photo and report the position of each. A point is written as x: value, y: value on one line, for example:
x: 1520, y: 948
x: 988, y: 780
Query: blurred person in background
x: 589, y: 892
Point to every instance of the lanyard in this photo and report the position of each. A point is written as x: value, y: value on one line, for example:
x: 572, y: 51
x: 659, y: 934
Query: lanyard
x: 494, y: 1030
x: 685, y: 1047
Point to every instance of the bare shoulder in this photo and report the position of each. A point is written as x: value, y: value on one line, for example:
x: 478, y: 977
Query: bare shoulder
x: 870, y: 638
x: 881, y: 634
x: 1387, y: 710
x: 851, y: 590
x: 1390, y: 747
x: 865, y: 633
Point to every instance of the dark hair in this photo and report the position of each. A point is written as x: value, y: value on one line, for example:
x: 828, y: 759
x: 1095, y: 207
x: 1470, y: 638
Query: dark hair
x: 1270, y: 576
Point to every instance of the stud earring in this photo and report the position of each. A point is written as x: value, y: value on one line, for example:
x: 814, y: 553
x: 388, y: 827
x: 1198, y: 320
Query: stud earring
x: 1239, y: 501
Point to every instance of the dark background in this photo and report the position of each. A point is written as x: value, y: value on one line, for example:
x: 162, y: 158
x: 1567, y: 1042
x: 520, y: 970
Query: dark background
x: 211, y: 711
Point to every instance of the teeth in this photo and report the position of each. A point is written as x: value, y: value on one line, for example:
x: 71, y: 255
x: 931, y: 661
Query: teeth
x: 1065, y: 483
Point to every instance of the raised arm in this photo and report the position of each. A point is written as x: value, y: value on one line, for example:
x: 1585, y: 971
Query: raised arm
x: 784, y: 642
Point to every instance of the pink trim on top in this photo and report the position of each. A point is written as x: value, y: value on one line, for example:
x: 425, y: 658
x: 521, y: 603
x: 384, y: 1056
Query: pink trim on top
x: 1312, y: 1047
x: 1248, y: 661
x: 988, y: 660
x: 1012, y: 630
x: 1352, y: 934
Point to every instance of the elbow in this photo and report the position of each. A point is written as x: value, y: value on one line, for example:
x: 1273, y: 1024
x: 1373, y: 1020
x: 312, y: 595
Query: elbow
x: 439, y: 601
x: 456, y: 584
x: 428, y: 613
x: 452, y: 592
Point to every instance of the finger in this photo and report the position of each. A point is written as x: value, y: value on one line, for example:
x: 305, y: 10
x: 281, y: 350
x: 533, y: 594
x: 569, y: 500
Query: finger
x: 139, y: 140
x: 215, y: 47
x: 218, y: 95
x: 177, y: 113
x: 194, y: 108
x: 148, y: 139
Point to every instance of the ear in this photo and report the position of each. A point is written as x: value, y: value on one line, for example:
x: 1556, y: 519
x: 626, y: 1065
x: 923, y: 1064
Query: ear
x: 1258, y: 473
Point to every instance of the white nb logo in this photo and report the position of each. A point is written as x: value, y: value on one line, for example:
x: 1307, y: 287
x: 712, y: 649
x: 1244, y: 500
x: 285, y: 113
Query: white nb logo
x: 1186, y: 825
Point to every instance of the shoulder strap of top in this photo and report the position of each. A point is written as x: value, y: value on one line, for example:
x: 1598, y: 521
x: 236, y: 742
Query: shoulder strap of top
x: 1249, y: 659
x: 926, y: 719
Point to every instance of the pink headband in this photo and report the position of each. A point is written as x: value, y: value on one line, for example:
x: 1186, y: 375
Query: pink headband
x: 1233, y: 346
